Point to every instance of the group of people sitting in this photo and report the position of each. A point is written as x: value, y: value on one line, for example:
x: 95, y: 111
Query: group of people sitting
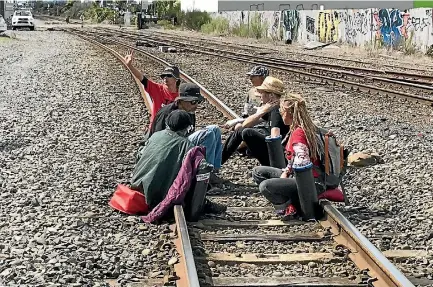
x: 173, y: 152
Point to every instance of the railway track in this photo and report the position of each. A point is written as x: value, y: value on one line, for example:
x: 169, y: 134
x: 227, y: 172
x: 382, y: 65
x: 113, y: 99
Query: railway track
x: 414, y: 74
x: 344, y: 242
x: 296, y: 54
x: 415, y: 87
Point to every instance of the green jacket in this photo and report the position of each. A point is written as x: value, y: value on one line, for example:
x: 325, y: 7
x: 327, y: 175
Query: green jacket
x: 159, y: 165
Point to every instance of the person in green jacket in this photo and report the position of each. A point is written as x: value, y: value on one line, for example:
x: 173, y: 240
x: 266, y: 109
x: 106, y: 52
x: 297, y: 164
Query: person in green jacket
x: 162, y: 158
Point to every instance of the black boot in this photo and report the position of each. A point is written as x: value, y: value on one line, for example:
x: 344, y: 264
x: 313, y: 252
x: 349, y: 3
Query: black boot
x: 213, y: 207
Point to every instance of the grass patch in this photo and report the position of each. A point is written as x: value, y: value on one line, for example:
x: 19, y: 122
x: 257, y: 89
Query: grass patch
x: 219, y: 25
x: 167, y: 25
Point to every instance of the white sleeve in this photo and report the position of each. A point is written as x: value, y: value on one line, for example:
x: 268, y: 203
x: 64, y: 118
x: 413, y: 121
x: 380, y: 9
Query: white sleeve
x: 301, y: 156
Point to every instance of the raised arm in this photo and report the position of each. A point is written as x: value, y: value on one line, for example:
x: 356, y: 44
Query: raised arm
x: 128, y: 61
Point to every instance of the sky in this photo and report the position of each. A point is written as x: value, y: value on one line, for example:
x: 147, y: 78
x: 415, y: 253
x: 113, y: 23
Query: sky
x: 203, y: 5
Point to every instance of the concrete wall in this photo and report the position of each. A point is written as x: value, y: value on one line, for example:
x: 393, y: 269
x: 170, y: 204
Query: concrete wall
x: 278, y: 5
x: 351, y: 26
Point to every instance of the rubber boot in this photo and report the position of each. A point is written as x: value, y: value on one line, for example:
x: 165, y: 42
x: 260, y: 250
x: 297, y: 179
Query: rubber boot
x: 307, y: 191
x: 196, y: 196
x: 275, y: 151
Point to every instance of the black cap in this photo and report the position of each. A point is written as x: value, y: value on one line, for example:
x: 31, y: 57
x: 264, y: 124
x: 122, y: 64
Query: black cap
x: 189, y: 92
x: 171, y: 71
x: 178, y: 120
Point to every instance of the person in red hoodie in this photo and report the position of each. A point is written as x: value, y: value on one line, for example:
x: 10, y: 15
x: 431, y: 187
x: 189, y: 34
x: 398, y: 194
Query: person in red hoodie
x: 161, y: 94
x: 276, y: 184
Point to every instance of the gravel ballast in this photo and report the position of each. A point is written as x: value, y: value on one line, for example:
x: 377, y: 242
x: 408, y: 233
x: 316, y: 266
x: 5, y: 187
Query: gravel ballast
x: 70, y: 121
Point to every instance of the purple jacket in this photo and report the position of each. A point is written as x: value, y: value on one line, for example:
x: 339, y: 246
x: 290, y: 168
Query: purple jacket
x: 177, y: 192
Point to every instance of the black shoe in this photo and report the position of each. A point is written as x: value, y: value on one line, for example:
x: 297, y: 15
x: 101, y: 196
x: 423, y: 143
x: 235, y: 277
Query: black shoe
x: 215, y: 180
x: 213, y: 207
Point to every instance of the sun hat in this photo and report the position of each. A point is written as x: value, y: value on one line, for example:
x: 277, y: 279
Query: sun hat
x: 272, y: 85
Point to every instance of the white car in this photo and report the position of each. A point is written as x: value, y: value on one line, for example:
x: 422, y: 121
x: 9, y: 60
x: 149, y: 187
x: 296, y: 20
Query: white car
x: 3, y: 25
x: 23, y: 18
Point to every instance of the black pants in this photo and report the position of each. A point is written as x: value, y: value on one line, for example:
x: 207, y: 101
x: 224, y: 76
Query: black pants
x: 279, y: 191
x: 254, y: 139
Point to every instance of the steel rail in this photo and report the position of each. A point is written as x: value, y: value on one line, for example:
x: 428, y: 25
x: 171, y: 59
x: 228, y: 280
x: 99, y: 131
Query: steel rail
x: 305, y: 62
x: 214, y: 100
x: 363, y: 253
x: 185, y: 269
x: 144, y: 94
x: 255, y: 47
x: 183, y: 245
x: 341, y: 82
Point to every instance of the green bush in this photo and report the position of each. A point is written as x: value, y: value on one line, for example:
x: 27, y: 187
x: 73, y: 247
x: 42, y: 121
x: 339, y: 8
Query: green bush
x: 240, y: 30
x: 258, y: 29
x: 219, y: 25
x: 77, y: 9
x: 194, y: 19
x: 98, y: 14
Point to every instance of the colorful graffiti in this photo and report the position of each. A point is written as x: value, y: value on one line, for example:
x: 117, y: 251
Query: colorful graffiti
x: 352, y: 26
x: 327, y: 26
x: 389, y: 26
x: 393, y: 26
x: 291, y: 24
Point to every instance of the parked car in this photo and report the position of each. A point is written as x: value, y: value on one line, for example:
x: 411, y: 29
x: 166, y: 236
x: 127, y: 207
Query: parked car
x: 23, y: 18
x: 3, y: 25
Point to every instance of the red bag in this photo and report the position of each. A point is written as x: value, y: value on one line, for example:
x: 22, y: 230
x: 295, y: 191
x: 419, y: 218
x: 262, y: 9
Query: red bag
x: 335, y: 195
x: 128, y: 201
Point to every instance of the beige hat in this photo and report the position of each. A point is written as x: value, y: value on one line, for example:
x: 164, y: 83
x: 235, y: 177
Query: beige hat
x: 272, y: 85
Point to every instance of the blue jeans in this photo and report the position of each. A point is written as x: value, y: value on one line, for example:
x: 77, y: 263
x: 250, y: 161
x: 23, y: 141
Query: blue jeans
x: 210, y: 138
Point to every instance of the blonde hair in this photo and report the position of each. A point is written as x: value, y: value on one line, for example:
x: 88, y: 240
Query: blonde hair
x: 302, y: 119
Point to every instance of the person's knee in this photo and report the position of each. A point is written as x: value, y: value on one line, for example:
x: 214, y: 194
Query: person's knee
x: 213, y: 128
x: 209, y: 137
x: 258, y: 175
x: 238, y: 126
x: 264, y: 187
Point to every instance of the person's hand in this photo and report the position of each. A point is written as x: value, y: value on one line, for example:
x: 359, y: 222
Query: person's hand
x: 267, y: 107
x: 128, y: 58
x: 285, y: 174
x: 232, y: 123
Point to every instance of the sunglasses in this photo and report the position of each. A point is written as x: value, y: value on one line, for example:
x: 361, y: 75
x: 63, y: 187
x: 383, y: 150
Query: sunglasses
x: 196, y: 102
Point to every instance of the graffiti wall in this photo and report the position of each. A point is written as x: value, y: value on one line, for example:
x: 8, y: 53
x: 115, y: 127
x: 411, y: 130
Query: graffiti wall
x: 271, y: 20
x: 358, y: 27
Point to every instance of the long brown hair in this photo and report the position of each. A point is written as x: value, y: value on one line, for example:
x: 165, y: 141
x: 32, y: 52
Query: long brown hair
x: 302, y: 119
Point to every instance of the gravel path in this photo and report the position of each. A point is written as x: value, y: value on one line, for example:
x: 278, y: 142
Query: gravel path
x: 70, y: 122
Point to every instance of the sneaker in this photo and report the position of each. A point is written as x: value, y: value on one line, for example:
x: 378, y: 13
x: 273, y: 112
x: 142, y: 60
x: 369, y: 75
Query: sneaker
x: 213, y: 207
x: 290, y: 212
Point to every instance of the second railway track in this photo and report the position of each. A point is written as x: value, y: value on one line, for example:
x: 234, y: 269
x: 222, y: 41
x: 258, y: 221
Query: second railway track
x: 410, y: 86
x: 342, y: 245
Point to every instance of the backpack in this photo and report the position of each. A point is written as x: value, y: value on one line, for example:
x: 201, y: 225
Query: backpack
x: 333, y: 160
